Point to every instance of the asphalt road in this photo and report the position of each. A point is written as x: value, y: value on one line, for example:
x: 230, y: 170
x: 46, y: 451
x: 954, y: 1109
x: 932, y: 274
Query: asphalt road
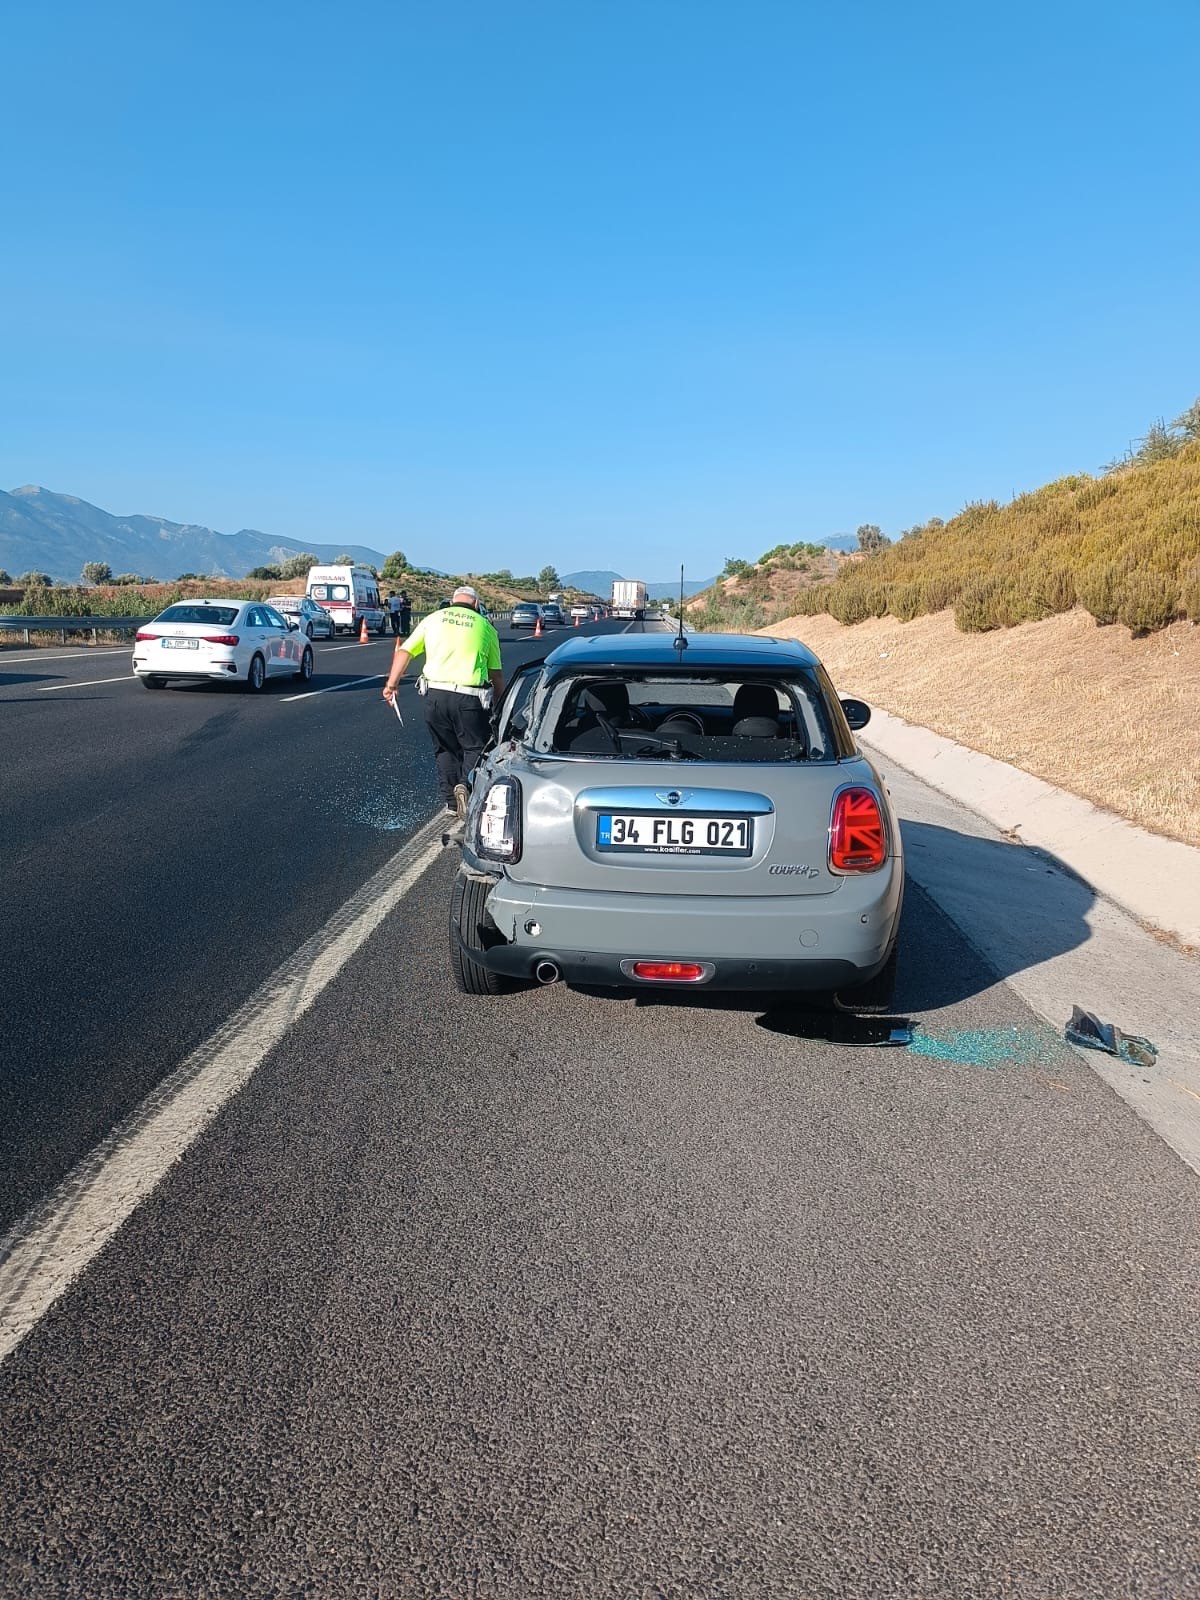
x: 552, y: 1295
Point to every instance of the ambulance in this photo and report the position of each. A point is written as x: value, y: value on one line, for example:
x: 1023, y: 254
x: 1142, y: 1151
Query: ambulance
x: 349, y: 594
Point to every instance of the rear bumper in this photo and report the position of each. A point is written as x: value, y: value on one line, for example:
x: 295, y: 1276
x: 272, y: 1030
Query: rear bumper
x: 604, y: 971
x: 798, y: 943
x: 220, y: 671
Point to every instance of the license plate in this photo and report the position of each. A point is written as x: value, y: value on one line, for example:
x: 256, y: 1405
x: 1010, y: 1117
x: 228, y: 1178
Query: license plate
x: 675, y: 835
x: 181, y: 644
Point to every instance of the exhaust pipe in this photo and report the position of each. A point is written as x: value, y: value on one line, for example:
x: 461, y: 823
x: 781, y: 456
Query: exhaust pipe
x: 546, y: 972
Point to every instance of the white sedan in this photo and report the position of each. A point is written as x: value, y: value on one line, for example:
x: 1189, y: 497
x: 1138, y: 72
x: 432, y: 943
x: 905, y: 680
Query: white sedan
x: 242, y: 641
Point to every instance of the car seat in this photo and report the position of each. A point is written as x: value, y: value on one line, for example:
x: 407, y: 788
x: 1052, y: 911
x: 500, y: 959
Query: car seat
x: 756, y: 712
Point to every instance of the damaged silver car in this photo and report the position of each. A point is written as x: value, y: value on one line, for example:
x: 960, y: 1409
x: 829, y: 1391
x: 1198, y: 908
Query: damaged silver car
x: 670, y: 812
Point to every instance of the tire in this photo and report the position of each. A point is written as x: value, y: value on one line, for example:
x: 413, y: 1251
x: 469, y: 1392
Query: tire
x: 154, y: 683
x: 467, y: 901
x: 875, y: 996
x: 308, y: 631
x: 306, y: 666
x: 256, y: 675
x: 382, y: 628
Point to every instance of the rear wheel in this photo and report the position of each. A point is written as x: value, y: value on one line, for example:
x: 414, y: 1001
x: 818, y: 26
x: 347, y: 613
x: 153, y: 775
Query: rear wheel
x: 154, y: 683
x: 257, y: 675
x: 308, y: 630
x: 468, y: 899
x: 382, y: 628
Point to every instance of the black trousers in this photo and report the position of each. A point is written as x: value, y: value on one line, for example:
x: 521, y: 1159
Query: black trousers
x: 460, y: 728
x: 395, y: 616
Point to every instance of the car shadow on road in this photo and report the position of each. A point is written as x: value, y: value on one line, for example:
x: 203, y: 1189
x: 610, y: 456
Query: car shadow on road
x: 1024, y: 906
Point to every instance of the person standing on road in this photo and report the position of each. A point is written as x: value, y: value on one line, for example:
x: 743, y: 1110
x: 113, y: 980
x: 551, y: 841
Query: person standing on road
x: 462, y: 679
x: 394, y: 613
x: 405, y: 613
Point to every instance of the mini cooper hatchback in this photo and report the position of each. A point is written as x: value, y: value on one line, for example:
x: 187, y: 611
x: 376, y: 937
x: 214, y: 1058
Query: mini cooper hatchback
x: 660, y: 811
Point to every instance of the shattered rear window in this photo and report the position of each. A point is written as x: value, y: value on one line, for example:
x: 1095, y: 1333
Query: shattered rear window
x: 683, y: 717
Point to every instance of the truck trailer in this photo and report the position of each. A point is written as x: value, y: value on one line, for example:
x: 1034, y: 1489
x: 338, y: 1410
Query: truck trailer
x: 629, y: 598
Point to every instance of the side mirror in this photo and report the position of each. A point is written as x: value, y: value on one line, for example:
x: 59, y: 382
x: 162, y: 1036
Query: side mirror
x: 293, y: 627
x: 858, y: 713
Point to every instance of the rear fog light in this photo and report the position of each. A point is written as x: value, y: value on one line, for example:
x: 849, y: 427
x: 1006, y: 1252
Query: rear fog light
x: 671, y: 971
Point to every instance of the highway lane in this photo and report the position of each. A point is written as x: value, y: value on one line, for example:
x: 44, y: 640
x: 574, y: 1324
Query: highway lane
x: 162, y: 854
x: 559, y: 1296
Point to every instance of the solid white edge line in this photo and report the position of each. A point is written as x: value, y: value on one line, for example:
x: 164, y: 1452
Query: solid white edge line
x: 83, y: 652
x: 309, y: 694
x: 84, y: 683
x: 53, y: 1244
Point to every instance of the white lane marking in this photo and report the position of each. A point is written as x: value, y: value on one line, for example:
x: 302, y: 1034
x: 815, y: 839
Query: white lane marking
x: 84, y: 683
x: 82, y: 653
x: 333, y: 688
x: 48, y: 1249
x: 357, y: 645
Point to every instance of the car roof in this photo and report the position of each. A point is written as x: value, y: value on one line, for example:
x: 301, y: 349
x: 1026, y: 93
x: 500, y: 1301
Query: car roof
x: 705, y: 650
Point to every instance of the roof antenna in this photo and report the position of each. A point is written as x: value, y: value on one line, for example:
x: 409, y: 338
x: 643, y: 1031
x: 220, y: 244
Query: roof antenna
x: 680, y: 643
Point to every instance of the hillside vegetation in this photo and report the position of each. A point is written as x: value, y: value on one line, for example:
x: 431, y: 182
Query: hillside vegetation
x: 1124, y: 546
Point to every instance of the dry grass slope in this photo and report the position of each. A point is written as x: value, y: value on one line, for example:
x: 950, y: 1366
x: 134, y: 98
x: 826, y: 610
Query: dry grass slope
x: 1091, y: 709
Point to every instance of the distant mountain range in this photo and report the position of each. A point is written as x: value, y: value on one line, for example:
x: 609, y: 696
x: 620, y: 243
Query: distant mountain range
x: 56, y: 533
x: 600, y: 583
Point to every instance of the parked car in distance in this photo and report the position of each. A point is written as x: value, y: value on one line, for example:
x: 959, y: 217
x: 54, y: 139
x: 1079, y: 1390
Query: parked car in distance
x: 695, y: 815
x: 525, y: 614
x: 231, y: 641
x: 552, y: 612
x: 584, y: 613
x: 314, y: 620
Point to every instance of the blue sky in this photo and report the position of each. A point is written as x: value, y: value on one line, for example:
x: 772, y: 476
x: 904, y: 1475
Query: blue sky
x: 609, y: 285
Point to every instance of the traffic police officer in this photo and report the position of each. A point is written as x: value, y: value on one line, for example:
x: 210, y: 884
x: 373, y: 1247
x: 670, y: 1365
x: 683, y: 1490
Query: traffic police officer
x: 462, y: 679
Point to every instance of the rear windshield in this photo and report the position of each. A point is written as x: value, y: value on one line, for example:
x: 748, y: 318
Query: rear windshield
x: 701, y: 717
x: 223, y: 616
x: 329, y: 591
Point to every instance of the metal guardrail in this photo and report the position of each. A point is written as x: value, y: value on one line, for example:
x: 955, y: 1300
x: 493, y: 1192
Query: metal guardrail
x: 65, y: 625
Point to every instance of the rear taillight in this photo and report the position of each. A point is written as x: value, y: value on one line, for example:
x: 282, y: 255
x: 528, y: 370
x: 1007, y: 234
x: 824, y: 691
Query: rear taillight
x: 857, y: 836
x: 220, y: 638
x: 498, y: 829
x: 145, y: 638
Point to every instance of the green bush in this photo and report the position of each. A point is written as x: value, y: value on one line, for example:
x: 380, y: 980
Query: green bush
x: 1099, y: 591
x: 904, y: 601
x: 987, y: 603
x: 1148, y: 601
x: 1189, y: 592
x: 849, y: 605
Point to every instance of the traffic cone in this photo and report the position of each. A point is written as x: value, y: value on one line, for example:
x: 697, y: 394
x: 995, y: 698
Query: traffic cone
x: 362, y: 632
x: 537, y: 631
x: 577, y: 621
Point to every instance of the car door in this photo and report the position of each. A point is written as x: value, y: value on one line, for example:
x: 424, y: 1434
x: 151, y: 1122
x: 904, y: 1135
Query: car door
x: 285, y: 642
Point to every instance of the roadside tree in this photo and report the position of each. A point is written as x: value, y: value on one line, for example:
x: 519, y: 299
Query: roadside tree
x: 267, y: 574
x: 97, y: 572
x: 871, y: 538
x: 548, y: 578
x: 297, y: 566
x: 396, y: 565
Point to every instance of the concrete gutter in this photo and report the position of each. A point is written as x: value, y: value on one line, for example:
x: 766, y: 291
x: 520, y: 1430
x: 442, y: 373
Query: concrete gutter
x: 1156, y: 880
